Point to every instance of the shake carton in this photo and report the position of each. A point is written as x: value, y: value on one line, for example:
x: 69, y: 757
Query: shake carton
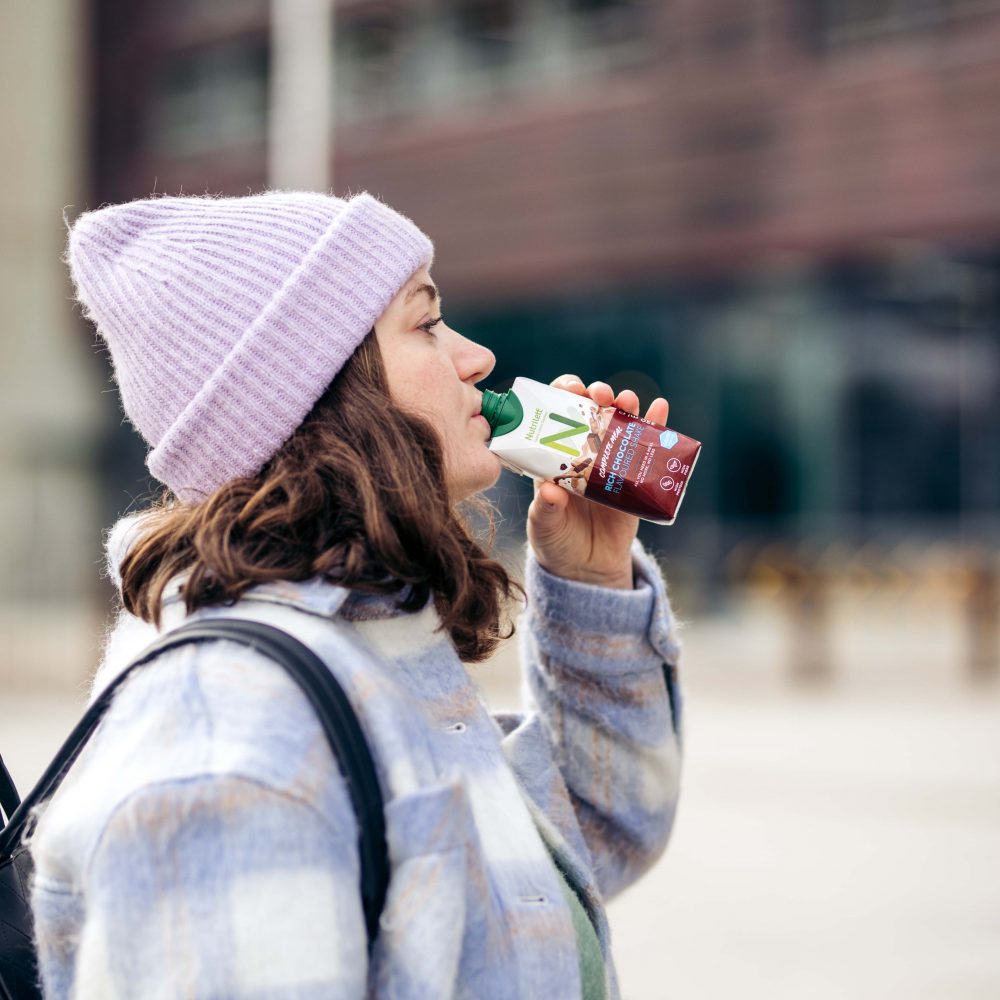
x: 601, y: 453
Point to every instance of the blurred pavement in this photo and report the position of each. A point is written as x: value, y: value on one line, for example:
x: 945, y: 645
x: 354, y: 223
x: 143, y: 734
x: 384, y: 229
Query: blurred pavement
x: 826, y: 847
x: 834, y: 845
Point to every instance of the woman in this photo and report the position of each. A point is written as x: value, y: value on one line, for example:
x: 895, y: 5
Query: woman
x: 315, y: 421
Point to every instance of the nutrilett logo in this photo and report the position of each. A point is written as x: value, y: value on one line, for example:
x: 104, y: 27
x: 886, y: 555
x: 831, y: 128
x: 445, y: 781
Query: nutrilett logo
x: 536, y: 419
x: 572, y: 428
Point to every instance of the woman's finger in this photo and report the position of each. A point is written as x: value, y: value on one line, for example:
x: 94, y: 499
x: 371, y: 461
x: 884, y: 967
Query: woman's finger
x: 601, y: 393
x: 658, y: 411
x: 628, y: 401
x: 572, y: 383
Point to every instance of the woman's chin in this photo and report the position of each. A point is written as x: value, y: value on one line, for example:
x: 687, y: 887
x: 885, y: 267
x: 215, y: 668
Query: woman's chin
x: 478, y: 474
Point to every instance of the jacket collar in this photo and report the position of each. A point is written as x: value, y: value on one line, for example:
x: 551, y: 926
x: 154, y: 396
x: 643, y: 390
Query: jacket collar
x: 316, y: 596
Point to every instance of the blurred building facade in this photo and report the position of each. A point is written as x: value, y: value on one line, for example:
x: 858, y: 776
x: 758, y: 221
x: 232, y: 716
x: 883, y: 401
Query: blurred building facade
x: 782, y: 214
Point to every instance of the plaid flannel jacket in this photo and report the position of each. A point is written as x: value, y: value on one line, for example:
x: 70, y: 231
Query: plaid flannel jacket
x: 204, y: 844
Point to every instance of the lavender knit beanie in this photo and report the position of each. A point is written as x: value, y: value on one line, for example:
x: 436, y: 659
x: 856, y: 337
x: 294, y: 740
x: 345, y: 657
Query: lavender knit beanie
x: 227, y: 318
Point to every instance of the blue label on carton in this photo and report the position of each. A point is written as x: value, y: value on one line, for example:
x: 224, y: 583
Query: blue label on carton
x: 668, y: 439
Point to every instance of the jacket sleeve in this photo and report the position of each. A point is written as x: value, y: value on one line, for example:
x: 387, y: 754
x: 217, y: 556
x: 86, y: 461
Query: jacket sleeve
x: 221, y: 886
x: 600, y: 676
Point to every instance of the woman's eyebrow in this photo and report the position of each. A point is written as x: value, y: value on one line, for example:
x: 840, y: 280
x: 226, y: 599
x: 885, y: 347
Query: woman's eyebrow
x: 429, y: 290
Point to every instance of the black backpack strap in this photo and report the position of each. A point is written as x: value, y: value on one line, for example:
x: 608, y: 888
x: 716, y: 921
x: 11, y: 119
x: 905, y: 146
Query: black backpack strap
x: 337, y: 717
x: 9, y: 799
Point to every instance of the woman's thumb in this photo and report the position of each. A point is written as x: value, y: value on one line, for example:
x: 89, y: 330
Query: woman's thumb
x: 552, y: 499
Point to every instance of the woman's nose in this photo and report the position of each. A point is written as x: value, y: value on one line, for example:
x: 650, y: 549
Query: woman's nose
x: 473, y: 361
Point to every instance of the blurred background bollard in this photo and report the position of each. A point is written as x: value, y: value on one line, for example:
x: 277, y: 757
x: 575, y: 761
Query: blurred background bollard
x: 808, y: 612
x: 982, y: 608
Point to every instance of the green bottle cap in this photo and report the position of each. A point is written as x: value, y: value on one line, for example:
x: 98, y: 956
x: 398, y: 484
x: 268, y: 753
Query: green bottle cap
x: 502, y: 411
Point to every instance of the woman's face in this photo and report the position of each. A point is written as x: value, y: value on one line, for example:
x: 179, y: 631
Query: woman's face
x: 432, y: 372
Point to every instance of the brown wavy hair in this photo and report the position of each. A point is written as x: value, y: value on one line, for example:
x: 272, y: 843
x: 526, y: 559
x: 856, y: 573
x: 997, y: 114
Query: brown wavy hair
x: 357, y: 496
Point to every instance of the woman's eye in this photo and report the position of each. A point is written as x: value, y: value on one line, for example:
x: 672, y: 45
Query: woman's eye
x: 428, y: 327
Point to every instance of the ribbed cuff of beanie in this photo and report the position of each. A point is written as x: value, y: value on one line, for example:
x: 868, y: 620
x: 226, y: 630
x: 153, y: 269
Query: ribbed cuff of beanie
x: 286, y: 359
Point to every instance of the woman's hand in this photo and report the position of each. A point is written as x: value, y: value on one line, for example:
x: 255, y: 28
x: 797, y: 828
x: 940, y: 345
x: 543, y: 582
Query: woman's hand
x: 579, y: 539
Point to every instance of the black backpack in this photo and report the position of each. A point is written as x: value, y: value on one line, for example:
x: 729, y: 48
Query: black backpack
x: 18, y: 962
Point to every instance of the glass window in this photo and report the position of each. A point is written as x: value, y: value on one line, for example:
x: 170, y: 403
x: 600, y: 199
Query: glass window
x: 623, y: 29
x: 394, y: 57
x: 487, y: 27
x: 757, y: 466
x: 908, y: 448
x: 969, y: 7
x: 210, y: 97
x: 213, y: 7
x: 833, y: 24
x: 371, y: 61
